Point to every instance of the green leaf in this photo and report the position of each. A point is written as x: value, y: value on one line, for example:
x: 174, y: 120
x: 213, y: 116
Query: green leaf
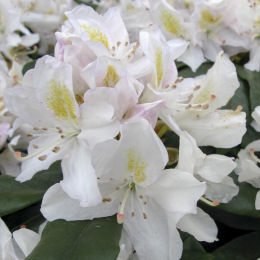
x: 79, y: 240
x: 29, y: 65
x: 15, y: 195
x: 240, y: 98
x: 80, y: 2
x: 242, y: 248
x: 253, y: 79
x: 31, y: 217
x: 188, y: 73
x: 192, y: 249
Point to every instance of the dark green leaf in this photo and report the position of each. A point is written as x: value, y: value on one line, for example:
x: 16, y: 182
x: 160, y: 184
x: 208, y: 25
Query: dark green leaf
x: 253, y: 79
x: 243, y: 248
x: 79, y: 240
x: 240, y: 98
x: 28, y: 66
x: 188, y: 73
x: 31, y: 217
x: 192, y: 249
x: 15, y: 195
x: 94, y: 6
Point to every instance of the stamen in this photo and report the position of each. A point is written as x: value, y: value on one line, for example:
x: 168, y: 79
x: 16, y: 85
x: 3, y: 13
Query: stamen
x: 145, y: 216
x: 19, y: 157
x: 120, y: 215
x: 22, y: 226
x: 36, y: 128
x: 252, y: 154
x: 35, y: 146
x: 210, y: 203
x: 120, y: 218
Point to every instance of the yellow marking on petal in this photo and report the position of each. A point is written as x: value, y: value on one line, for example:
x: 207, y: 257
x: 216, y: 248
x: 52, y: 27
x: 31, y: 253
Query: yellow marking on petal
x: 208, y: 19
x: 95, y: 34
x: 257, y: 22
x: 204, y: 95
x: 49, y: 11
x: 136, y: 165
x: 111, y: 77
x: 60, y: 101
x: 159, y: 65
x: 171, y: 23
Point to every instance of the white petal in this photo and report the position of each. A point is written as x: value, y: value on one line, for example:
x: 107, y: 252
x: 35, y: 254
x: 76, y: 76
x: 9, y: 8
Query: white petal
x: 79, y: 178
x: 26, y: 239
x: 33, y: 165
x: 221, y: 80
x: 254, y: 62
x: 6, y: 245
x: 56, y: 204
x: 177, y: 191
x: 193, y: 57
x: 200, y: 225
x: 222, y: 128
x: 126, y: 248
x: 216, y: 167
x: 222, y: 192
x: 152, y: 237
x: 257, y: 200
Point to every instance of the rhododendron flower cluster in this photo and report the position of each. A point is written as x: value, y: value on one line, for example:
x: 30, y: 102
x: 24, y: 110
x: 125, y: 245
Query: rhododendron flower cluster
x: 104, y: 104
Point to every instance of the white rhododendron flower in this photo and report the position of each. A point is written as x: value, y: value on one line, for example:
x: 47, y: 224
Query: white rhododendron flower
x: 202, y: 118
x: 11, y: 26
x: 248, y: 169
x: 63, y: 128
x: 147, y: 199
x: 19, y: 245
x: 109, y: 92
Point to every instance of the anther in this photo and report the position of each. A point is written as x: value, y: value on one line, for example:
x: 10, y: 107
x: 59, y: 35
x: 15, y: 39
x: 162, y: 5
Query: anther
x: 62, y: 136
x: 178, y: 80
x: 29, y: 135
x: 106, y: 200
x: 22, y: 226
x: 56, y: 149
x: 44, y: 128
x: 239, y: 108
x: 140, y: 196
x: 145, y: 202
x: 206, y: 106
x: 213, y: 97
x: 36, y: 128
x: 117, y: 188
x: 197, y: 87
x: 35, y: 146
x: 126, y: 43
x: 118, y: 43
x: 43, y: 157
x: 132, y: 214
x: 145, y: 216
x: 113, y: 48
